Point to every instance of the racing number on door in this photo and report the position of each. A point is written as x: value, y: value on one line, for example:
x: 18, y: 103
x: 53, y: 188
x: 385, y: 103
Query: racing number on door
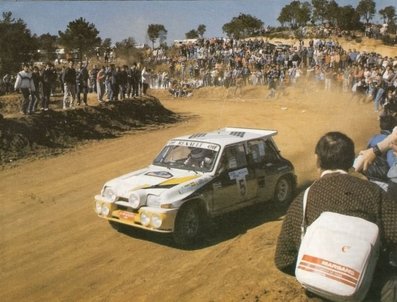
x: 240, y: 177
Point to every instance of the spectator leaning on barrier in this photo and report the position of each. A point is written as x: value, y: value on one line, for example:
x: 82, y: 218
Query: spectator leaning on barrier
x: 337, y: 191
x: 24, y: 83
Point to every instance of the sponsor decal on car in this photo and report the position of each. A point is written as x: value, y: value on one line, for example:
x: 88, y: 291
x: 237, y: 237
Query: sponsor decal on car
x: 162, y: 174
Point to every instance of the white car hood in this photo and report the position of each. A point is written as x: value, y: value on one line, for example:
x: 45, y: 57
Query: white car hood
x: 152, y: 177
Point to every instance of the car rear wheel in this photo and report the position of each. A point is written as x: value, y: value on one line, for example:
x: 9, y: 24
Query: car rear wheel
x: 188, y: 225
x: 283, y: 191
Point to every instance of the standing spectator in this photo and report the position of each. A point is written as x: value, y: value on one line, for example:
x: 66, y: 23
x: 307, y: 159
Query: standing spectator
x: 337, y: 191
x: 48, y: 77
x: 136, y: 80
x: 69, y: 80
x: 123, y: 81
x: 93, y: 76
x: 24, y: 83
x: 145, y: 80
x: 100, y: 84
x: 7, y: 83
x: 37, y: 80
x: 82, y: 83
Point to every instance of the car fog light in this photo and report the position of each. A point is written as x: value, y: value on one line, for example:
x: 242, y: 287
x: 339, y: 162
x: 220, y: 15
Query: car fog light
x: 98, y: 207
x: 145, y: 219
x: 156, y: 221
x: 105, y: 210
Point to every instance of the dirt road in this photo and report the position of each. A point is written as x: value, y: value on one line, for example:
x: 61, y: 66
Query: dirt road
x: 54, y: 248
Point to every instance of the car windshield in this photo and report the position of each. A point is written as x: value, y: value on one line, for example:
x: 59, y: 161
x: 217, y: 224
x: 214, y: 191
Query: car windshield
x: 188, y: 157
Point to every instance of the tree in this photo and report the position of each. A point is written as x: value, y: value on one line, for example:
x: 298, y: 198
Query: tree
x: 156, y: 31
x: 388, y: 14
x: 320, y: 10
x: 333, y: 11
x: 296, y: 14
x: 389, y: 17
x: 366, y: 9
x: 17, y: 44
x: 81, y: 36
x: 192, y: 34
x: 47, y: 45
x: 348, y: 18
x: 126, y: 48
x: 201, y: 29
x: 242, y: 26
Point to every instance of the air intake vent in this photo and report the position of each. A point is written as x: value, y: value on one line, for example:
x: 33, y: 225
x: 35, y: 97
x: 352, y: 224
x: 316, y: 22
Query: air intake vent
x: 237, y: 133
x: 198, y: 135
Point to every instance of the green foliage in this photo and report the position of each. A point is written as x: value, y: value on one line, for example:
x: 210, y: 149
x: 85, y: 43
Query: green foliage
x: 47, y: 45
x: 348, y: 18
x: 201, y: 29
x: 156, y: 31
x: 388, y: 14
x: 80, y: 35
x: 320, y: 10
x: 242, y: 26
x: 192, y: 34
x: 366, y: 9
x: 295, y: 14
x: 17, y: 44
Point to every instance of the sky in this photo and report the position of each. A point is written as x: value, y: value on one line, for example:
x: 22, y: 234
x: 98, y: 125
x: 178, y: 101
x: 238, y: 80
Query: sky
x: 119, y: 20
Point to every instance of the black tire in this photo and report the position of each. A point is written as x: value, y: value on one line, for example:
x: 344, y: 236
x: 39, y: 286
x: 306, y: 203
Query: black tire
x: 283, y: 191
x: 188, y: 225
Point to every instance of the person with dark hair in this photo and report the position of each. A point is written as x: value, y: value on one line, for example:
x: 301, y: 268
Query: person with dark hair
x: 69, y: 82
x: 48, y: 77
x: 25, y: 84
x: 36, y: 98
x: 337, y: 191
x: 82, y: 83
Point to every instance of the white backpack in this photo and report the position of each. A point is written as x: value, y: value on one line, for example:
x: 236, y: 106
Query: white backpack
x: 337, y: 256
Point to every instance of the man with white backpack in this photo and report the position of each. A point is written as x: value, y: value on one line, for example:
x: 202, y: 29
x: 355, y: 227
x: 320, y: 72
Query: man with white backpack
x: 340, y: 196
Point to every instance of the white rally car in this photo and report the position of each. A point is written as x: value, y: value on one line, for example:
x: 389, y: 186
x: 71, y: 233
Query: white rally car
x: 199, y: 176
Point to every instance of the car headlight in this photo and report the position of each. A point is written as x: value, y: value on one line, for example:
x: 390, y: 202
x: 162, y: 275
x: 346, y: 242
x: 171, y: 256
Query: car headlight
x: 145, y: 219
x: 105, y: 210
x: 109, y: 194
x: 137, y: 199
x: 156, y: 221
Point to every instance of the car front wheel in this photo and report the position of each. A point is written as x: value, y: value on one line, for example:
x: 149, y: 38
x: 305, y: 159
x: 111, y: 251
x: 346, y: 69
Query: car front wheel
x: 188, y: 224
x: 283, y: 191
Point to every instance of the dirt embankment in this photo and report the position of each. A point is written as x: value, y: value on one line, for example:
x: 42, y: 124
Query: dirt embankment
x: 54, y: 131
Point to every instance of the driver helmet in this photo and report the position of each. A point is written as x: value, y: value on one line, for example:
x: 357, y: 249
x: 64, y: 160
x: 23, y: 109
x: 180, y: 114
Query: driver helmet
x: 197, y: 153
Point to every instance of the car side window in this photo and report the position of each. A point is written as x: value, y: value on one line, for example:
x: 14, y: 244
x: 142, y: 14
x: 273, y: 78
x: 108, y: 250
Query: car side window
x: 235, y: 157
x: 271, y: 153
x: 256, y: 150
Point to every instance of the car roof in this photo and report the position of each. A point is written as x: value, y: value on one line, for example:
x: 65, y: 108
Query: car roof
x: 228, y: 135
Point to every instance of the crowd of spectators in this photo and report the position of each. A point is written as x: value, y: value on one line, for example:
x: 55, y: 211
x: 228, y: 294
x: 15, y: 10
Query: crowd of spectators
x: 229, y: 63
